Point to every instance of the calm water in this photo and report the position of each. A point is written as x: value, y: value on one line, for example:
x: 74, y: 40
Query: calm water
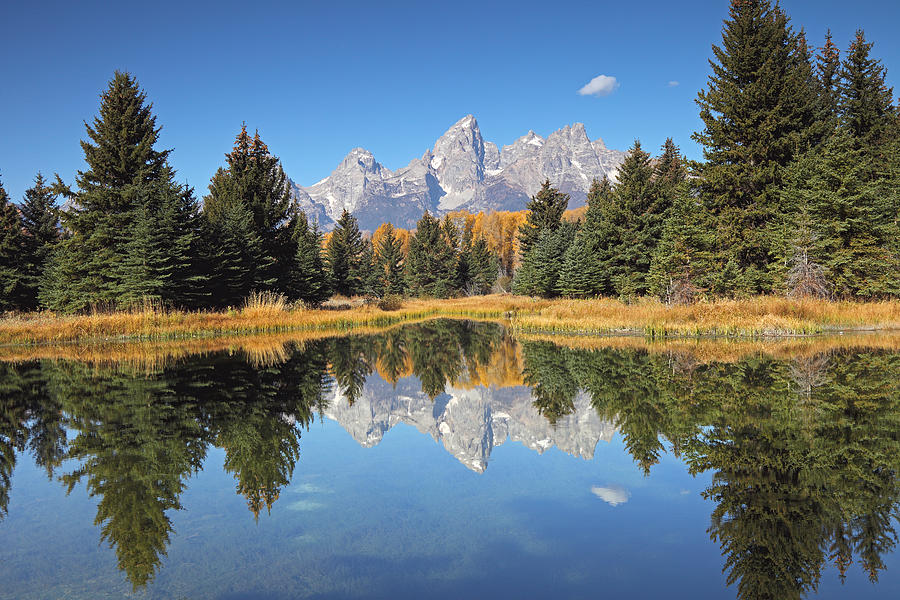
x: 454, y: 461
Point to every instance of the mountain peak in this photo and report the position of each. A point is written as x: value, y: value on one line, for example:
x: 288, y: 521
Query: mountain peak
x: 461, y: 171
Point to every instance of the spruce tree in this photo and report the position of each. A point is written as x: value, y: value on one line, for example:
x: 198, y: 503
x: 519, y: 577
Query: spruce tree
x: 484, y: 266
x: 641, y: 221
x: 344, y: 256
x: 683, y: 259
x: 40, y: 223
x: 758, y: 111
x: 255, y: 178
x: 430, y: 263
x: 240, y: 266
x: 582, y: 273
x: 852, y: 216
x: 389, y: 260
x: 539, y: 273
x: 125, y: 172
x: 12, y: 248
x: 545, y: 211
x: 828, y: 72
x: 310, y: 277
x: 368, y: 270
x: 866, y: 102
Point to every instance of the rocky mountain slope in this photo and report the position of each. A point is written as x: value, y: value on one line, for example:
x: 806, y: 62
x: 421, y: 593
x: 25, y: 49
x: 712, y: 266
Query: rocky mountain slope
x: 461, y: 171
x: 469, y: 423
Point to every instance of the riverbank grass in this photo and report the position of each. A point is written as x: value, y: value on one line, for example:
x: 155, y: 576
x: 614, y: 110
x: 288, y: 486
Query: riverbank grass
x: 753, y: 317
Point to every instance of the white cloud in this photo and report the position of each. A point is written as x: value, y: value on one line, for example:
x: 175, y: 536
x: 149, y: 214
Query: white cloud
x: 601, y: 85
x: 613, y: 495
x: 673, y: 83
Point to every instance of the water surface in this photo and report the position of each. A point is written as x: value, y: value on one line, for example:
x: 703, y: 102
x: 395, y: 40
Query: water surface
x: 451, y: 460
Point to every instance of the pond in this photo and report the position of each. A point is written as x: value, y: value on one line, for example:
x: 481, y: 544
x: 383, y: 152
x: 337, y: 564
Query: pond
x: 452, y: 459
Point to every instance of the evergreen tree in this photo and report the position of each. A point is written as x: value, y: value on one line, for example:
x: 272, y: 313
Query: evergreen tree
x: 865, y: 100
x: 758, y: 111
x: 430, y: 264
x: 40, y: 223
x: 239, y: 263
x: 310, y: 277
x: 125, y: 172
x: 389, y: 260
x: 682, y: 260
x: 12, y: 247
x: 852, y: 218
x: 828, y: 72
x: 344, y: 256
x: 545, y: 211
x: 368, y: 270
x: 255, y: 178
x: 582, y: 274
x: 634, y: 199
x: 484, y: 267
x: 539, y: 273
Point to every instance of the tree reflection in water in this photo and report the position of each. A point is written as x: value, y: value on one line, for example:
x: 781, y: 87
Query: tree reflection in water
x: 804, y: 452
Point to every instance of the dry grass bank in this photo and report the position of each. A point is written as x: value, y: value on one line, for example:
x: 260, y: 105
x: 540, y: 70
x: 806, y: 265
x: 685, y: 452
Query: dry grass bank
x: 756, y: 317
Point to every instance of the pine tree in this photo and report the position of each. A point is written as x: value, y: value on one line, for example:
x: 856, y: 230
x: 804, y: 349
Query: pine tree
x: 124, y: 172
x: 240, y: 264
x: 368, y: 270
x: 683, y: 259
x: 145, y: 270
x: 430, y: 263
x: 12, y: 247
x: 545, y: 211
x: 583, y: 273
x: 389, y: 258
x: 634, y: 198
x: 344, y: 256
x: 758, y: 111
x: 865, y: 100
x: 539, y: 273
x: 310, y: 277
x: 40, y: 223
x: 484, y: 267
x: 255, y: 178
x: 828, y: 72
x: 854, y: 227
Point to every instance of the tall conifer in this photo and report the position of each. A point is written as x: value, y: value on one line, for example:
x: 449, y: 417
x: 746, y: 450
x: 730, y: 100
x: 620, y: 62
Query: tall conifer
x: 12, y: 277
x: 545, y: 211
x: 345, y: 255
x: 758, y: 112
x: 40, y: 223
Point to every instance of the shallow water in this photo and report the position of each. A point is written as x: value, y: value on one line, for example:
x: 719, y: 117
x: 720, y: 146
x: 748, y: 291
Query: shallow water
x: 451, y: 460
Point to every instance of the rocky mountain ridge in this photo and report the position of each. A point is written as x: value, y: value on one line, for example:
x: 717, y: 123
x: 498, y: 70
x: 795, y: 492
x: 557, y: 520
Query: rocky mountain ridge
x: 468, y: 422
x: 461, y: 171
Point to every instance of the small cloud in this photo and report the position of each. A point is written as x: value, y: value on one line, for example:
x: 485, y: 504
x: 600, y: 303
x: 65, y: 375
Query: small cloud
x: 673, y: 83
x: 601, y: 85
x: 613, y: 495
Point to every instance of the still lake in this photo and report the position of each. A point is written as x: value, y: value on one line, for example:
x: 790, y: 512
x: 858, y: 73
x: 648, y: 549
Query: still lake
x: 451, y: 459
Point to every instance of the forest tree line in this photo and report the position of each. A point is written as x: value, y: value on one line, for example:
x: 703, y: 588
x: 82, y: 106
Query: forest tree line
x: 798, y: 194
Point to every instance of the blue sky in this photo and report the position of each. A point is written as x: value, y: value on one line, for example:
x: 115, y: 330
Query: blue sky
x: 319, y: 78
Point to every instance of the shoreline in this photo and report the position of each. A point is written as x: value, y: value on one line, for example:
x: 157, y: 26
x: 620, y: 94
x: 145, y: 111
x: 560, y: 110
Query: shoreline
x: 764, y: 317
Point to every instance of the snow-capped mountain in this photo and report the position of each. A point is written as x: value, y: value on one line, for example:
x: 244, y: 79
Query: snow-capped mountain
x: 461, y: 171
x: 469, y: 423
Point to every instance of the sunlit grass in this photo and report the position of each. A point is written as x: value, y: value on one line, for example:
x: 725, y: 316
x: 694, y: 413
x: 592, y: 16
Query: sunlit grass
x: 270, y: 313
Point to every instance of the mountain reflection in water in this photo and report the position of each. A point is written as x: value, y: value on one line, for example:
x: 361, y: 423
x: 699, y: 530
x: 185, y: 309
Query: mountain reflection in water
x: 803, y: 451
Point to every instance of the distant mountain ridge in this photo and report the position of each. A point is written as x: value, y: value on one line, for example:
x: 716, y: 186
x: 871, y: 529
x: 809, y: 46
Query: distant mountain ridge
x: 469, y: 423
x: 461, y: 171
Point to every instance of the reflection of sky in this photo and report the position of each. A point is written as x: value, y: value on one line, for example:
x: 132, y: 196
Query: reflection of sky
x: 402, y: 519
x: 613, y: 495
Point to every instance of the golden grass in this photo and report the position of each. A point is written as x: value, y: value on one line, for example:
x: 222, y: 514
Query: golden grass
x: 762, y: 316
x: 755, y: 317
